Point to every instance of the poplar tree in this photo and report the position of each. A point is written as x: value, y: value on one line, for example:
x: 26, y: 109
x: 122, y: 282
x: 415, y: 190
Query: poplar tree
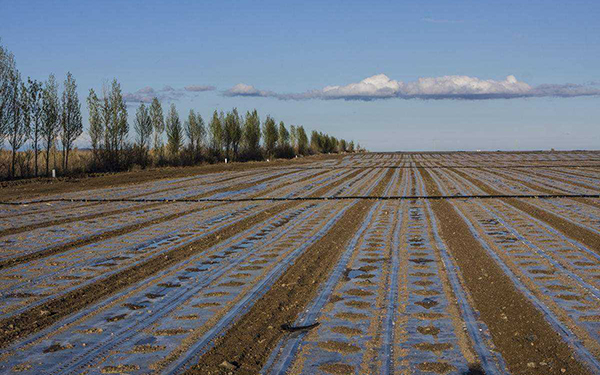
x: 143, y: 129
x: 17, y: 128
x: 201, y: 132
x: 34, y: 91
x: 174, y: 132
x: 191, y: 128
x: 283, y: 139
x: 316, y: 142
x: 227, y: 133
x: 158, y: 124
x: 251, y: 134
x: 223, y: 133
x: 195, y: 132
x: 270, y: 135
x: 72, y: 126
x: 96, y: 130
x: 7, y: 70
x: 215, y: 129
x: 293, y: 137
x: 342, y: 146
x: 302, y: 140
x: 50, y: 117
x: 105, y: 115
x: 120, y: 117
x: 333, y: 144
x: 233, y: 132
x: 116, y: 127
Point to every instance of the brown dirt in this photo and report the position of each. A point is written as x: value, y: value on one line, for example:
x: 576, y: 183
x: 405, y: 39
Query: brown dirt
x: 251, y: 339
x: 436, y: 367
x: 351, y: 316
x: 27, y: 189
x: 339, y: 347
x: 127, y: 229
x: 337, y: 368
x: 576, y: 232
x: 589, y: 201
x: 571, y: 182
x: 509, y: 315
x: 45, y: 224
x: 92, y: 239
x: 120, y: 369
x: 347, y: 330
x: 33, y: 320
x: 52, y: 311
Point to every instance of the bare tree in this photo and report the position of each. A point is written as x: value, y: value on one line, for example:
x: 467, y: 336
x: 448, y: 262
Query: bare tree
x: 50, y: 117
x: 72, y: 127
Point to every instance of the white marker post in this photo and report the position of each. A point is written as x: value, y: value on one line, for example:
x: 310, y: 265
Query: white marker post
x: 54, y: 173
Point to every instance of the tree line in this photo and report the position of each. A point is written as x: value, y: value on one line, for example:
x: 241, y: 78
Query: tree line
x: 34, y: 114
x: 39, y: 122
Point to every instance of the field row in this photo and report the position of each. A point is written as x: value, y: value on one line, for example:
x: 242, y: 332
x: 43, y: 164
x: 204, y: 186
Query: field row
x: 330, y: 286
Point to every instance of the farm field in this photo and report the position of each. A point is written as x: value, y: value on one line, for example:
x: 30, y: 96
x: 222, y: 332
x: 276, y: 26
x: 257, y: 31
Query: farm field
x: 406, y: 263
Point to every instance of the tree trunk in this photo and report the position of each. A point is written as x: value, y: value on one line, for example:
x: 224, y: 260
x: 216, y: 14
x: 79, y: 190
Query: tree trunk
x: 54, y: 157
x: 48, y: 159
x: 35, y: 157
x: 12, y: 168
x: 66, y: 168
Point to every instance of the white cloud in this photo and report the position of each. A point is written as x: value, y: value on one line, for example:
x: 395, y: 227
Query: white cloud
x: 567, y: 90
x: 146, y: 94
x: 242, y: 89
x: 199, y: 88
x: 381, y: 86
x: 464, y: 87
x: 435, y: 88
x: 143, y: 95
x: 378, y: 86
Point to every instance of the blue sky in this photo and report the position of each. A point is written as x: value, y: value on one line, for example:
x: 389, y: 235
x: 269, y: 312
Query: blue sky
x: 289, y: 51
